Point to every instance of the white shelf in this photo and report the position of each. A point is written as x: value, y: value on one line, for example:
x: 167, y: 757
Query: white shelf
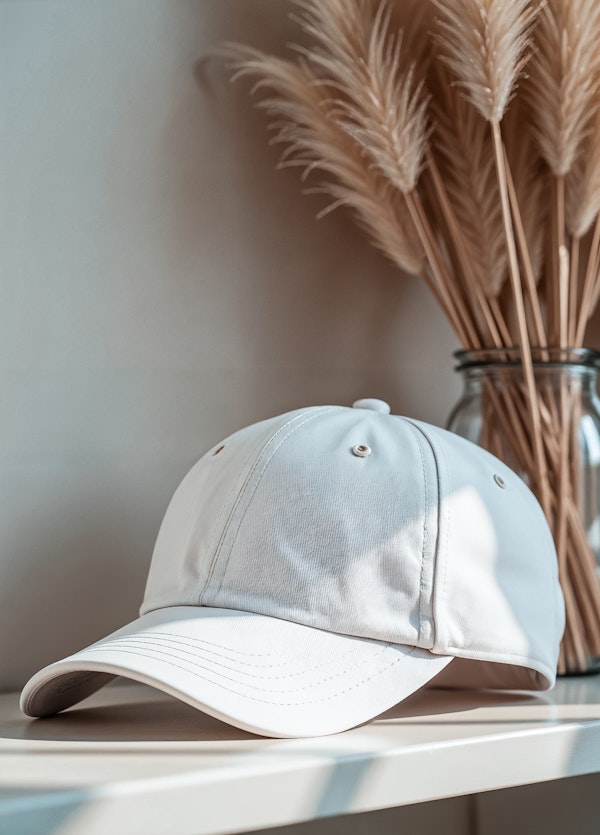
x: 141, y: 762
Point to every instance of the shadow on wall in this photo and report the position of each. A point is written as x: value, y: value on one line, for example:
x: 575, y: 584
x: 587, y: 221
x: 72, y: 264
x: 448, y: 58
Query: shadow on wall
x: 317, y: 314
x: 206, y: 296
x: 89, y: 570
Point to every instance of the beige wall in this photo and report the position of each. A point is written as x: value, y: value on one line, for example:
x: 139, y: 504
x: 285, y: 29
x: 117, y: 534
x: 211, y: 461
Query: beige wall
x: 163, y: 285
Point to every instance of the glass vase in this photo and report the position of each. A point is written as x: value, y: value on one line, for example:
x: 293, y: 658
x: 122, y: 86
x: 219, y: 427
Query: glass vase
x: 493, y: 412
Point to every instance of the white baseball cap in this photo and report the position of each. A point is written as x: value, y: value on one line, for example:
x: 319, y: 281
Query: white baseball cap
x: 315, y: 569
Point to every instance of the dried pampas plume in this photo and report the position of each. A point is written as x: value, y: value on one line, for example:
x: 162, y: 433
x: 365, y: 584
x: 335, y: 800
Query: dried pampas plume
x: 564, y: 79
x: 313, y: 139
x: 365, y: 105
x: 484, y: 43
x: 583, y: 187
x: 379, y: 103
x: 465, y: 136
x: 562, y: 98
x: 463, y: 146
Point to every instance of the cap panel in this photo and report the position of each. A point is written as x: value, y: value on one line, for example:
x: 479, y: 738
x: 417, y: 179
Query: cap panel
x: 336, y: 540
x: 497, y: 594
x: 190, y: 533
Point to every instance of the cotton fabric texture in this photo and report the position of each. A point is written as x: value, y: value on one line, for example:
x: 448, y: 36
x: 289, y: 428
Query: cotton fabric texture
x: 314, y: 569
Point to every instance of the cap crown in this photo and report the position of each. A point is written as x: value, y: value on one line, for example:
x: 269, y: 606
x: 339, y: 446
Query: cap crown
x: 425, y: 540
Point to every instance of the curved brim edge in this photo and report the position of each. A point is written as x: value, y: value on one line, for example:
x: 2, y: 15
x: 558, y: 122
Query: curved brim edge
x: 264, y: 675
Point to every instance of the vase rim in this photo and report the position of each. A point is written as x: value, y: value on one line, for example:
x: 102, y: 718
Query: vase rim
x: 546, y: 357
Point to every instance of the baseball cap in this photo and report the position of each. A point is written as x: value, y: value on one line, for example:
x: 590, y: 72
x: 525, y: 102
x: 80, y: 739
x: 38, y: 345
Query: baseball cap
x: 314, y: 569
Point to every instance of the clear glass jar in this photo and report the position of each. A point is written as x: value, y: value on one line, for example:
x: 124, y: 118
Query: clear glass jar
x: 493, y: 413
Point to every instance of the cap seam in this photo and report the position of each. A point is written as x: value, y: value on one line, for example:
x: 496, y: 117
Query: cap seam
x: 195, y: 594
x: 444, y: 515
x: 242, y: 493
x: 190, y: 525
x: 198, y: 593
x: 189, y: 640
x: 331, y: 696
x: 425, y: 533
x: 443, y: 530
x: 165, y: 647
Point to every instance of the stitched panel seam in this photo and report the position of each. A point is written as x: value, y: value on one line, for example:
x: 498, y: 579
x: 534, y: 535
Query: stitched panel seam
x: 274, y: 701
x: 160, y: 650
x: 195, y: 594
x: 418, y: 435
x: 241, y: 491
x: 306, y: 420
x: 200, y: 643
x: 442, y: 550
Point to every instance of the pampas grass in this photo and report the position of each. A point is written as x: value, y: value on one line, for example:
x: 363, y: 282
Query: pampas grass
x: 465, y: 137
x: 461, y: 164
x: 563, y: 80
x: 562, y: 96
x: 306, y: 123
x: 485, y: 44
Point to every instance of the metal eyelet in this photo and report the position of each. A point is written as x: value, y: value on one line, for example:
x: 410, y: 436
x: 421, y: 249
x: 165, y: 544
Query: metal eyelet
x: 218, y: 450
x: 500, y: 481
x: 361, y: 450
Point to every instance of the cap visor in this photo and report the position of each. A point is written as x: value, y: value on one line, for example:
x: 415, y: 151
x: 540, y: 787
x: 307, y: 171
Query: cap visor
x: 262, y: 674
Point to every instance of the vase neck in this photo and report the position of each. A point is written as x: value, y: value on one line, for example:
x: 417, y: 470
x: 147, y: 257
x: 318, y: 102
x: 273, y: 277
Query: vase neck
x: 586, y: 357
x: 552, y: 367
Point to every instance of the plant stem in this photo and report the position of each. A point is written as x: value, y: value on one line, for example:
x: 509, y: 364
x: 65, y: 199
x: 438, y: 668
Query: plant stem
x: 456, y: 235
x: 563, y: 265
x: 573, y: 289
x: 587, y: 293
x: 532, y: 399
x: 532, y: 294
x: 454, y: 305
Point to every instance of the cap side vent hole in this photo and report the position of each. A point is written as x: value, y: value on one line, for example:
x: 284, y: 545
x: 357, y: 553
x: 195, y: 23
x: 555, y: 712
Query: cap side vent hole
x: 361, y: 450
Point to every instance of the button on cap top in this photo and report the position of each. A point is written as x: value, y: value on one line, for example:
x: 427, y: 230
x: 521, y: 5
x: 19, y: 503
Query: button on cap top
x: 373, y: 404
